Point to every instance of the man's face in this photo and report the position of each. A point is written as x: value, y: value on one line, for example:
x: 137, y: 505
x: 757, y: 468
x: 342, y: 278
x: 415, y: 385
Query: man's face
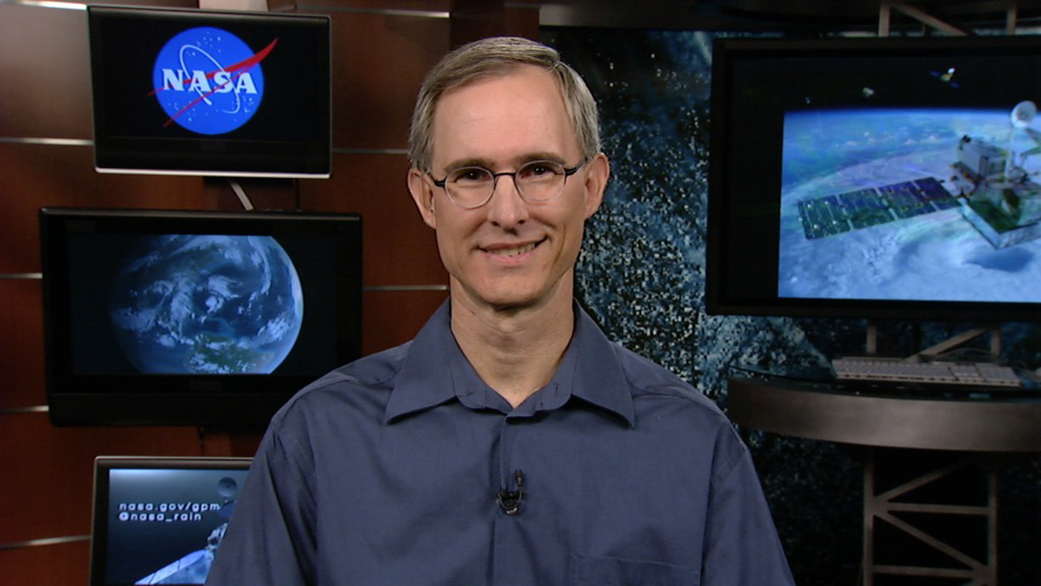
x: 509, y: 253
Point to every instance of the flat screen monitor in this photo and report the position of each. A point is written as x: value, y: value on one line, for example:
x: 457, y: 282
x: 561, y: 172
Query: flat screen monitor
x: 194, y: 317
x: 160, y: 520
x: 876, y: 177
x: 195, y: 92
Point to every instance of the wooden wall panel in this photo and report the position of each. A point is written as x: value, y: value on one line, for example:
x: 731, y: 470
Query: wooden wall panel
x: 21, y: 354
x: 52, y: 492
x: 64, y: 563
x: 46, y: 85
x: 399, y: 249
x: 35, y: 176
x: 521, y: 20
x: 379, y: 62
x: 394, y: 317
x: 477, y: 19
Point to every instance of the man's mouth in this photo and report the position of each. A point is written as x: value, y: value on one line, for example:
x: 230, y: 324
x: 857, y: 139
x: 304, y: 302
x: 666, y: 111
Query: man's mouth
x: 513, y: 251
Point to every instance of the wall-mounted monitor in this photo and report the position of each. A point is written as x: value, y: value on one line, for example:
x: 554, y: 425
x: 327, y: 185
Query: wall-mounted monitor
x: 195, y: 92
x: 876, y: 177
x: 194, y: 317
x: 160, y: 520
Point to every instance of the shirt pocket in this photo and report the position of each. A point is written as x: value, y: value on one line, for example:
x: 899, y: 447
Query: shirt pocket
x: 605, y: 571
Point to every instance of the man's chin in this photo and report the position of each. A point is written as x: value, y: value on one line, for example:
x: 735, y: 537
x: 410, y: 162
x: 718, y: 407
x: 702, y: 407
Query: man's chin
x: 510, y: 295
x: 500, y: 299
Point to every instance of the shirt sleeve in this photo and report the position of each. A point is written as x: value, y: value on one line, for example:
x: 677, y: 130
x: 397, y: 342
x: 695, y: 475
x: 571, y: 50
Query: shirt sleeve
x: 741, y: 543
x: 270, y: 537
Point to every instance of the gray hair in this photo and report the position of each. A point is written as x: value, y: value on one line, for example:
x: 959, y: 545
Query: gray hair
x: 497, y: 56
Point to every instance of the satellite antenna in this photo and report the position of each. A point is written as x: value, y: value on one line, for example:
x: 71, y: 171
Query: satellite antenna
x: 1020, y: 117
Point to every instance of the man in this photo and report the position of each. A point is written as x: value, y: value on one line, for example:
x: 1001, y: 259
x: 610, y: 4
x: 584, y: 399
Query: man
x: 510, y: 442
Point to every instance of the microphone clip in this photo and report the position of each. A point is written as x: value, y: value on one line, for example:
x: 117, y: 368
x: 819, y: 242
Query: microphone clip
x: 510, y: 500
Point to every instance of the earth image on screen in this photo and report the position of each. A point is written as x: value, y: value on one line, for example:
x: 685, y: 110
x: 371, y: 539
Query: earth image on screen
x: 206, y: 304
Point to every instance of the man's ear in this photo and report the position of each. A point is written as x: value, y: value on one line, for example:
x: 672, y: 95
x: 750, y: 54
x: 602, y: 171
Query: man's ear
x: 597, y: 175
x: 423, y: 195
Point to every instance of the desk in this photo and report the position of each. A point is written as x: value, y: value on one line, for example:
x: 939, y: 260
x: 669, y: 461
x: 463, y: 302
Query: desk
x: 856, y: 413
x: 849, y: 413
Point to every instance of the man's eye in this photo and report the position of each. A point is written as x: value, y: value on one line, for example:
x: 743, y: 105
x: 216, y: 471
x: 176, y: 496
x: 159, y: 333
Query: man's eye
x: 470, y: 176
x: 540, y: 170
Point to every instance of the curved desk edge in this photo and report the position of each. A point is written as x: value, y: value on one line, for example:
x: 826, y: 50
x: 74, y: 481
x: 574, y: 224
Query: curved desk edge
x: 813, y: 411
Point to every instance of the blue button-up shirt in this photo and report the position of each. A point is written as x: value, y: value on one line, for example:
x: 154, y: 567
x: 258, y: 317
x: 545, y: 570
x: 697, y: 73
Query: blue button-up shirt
x: 389, y: 471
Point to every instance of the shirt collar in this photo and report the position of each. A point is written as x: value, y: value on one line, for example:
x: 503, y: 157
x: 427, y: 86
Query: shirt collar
x: 598, y: 371
x: 436, y: 371
x: 424, y: 381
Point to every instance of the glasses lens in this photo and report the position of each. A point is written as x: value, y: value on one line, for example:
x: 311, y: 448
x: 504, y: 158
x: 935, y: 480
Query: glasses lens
x: 541, y: 180
x: 470, y: 186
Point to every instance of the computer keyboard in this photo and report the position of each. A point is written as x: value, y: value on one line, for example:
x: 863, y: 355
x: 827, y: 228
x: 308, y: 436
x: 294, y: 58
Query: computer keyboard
x: 981, y: 374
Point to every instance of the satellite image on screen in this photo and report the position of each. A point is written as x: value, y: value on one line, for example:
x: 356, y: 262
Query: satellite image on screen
x: 213, y: 304
x: 932, y: 205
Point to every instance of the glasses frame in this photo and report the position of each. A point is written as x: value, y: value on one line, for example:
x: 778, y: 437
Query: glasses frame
x: 568, y: 172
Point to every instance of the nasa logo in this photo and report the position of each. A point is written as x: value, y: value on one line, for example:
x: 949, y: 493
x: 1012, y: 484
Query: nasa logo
x: 208, y: 80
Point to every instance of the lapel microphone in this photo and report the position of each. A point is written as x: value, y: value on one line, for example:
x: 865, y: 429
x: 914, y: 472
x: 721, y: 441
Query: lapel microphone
x: 510, y: 500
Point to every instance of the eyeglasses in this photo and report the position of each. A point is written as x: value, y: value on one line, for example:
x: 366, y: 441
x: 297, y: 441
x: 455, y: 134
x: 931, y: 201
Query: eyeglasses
x: 537, y: 181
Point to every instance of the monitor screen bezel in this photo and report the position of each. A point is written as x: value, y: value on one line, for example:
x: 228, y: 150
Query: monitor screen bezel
x: 743, y: 201
x: 228, y: 155
x: 224, y: 401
